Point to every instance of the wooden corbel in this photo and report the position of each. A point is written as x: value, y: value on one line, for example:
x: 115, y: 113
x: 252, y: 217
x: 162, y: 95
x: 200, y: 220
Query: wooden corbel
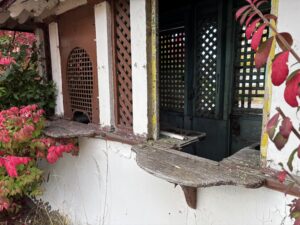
x: 190, y: 194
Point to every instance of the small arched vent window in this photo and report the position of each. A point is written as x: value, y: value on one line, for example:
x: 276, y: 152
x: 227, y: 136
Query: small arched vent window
x: 80, y: 83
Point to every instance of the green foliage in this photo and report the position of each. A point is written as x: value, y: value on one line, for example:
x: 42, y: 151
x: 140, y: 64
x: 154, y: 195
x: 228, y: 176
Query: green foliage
x: 20, y: 81
x: 25, y: 87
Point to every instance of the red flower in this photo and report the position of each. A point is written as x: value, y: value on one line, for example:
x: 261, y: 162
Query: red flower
x: 292, y: 90
x: 281, y: 176
x: 11, y: 162
x: 6, y: 61
x: 4, y: 136
x: 52, y: 157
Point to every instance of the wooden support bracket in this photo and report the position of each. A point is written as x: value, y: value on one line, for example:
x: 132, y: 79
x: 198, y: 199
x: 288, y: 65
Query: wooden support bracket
x: 190, y: 194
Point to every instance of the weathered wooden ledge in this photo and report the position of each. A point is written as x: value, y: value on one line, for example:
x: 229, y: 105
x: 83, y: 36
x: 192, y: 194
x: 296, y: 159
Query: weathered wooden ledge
x: 61, y: 128
x: 192, y: 172
x: 69, y: 129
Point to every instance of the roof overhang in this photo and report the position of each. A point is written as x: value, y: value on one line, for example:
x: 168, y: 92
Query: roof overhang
x: 29, y: 14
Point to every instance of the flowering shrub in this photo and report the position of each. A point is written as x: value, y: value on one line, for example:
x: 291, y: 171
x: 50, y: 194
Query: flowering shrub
x: 21, y: 145
x: 20, y: 81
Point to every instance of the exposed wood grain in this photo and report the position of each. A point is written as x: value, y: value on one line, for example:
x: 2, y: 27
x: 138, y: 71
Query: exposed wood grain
x: 69, y: 129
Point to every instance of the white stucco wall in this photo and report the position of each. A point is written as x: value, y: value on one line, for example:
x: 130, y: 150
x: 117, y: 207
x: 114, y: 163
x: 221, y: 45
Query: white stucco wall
x: 104, y: 186
x: 287, y: 11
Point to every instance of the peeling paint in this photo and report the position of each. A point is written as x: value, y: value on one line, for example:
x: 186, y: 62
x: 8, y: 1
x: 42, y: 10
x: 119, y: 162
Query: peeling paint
x: 268, y: 93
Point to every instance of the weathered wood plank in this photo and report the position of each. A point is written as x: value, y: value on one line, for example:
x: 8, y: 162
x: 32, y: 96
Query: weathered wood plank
x: 69, y: 129
x: 241, y: 169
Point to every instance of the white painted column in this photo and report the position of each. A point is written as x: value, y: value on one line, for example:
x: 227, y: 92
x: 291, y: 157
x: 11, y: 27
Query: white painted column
x: 56, y: 66
x: 104, y: 62
x: 139, y: 66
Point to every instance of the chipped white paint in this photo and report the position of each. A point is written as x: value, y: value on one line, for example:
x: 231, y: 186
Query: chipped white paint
x: 139, y: 66
x: 56, y: 66
x: 103, y: 187
x: 104, y: 62
x: 288, y: 9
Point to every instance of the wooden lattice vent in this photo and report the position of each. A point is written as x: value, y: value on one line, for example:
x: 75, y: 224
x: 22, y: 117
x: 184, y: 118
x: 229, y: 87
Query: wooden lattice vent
x: 122, y: 59
x: 206, y: 66
x: 172, y: 69
x: 80, y: 84
x: 249, y: 82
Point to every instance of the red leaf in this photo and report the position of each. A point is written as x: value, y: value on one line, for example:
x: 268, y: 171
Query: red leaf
x: 251, y: 28
x: 240, y: 11
x: 263, y: 52
x: 244, y: 16
x: 286, y: 127
x: 280, y: 141
x: 280, y: 69
x: 261, y: 2
x: 271, y: 125
x: 271, y: 17
x: 297, y: 222
x: 281, y: 176
x: 292, y: 89
x: 257, y: 37
x: 287, y: 37
x: 250, y: 18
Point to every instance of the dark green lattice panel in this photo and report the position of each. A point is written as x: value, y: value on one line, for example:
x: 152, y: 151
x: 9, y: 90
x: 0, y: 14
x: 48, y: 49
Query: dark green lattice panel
x: 249, y: 85
x: 172, y: 69
x: 206, y: 67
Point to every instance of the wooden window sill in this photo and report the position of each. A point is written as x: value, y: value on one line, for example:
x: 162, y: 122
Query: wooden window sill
x: 192, y: 172
x: 62, y: 128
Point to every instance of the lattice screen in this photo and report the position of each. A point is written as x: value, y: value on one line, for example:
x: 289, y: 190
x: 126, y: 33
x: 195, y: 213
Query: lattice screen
x: 80, y: 82
x: 206, y: 67
x: 172, y: 69
x: 249, y: 82
x: 123, y: 62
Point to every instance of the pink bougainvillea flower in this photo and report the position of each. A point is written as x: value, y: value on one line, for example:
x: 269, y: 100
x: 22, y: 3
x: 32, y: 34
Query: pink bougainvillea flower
x: 291, y: 91
x: 11, y: 162
x: 280, y: 69
x: 281, y: 176
x: 6, y: 61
